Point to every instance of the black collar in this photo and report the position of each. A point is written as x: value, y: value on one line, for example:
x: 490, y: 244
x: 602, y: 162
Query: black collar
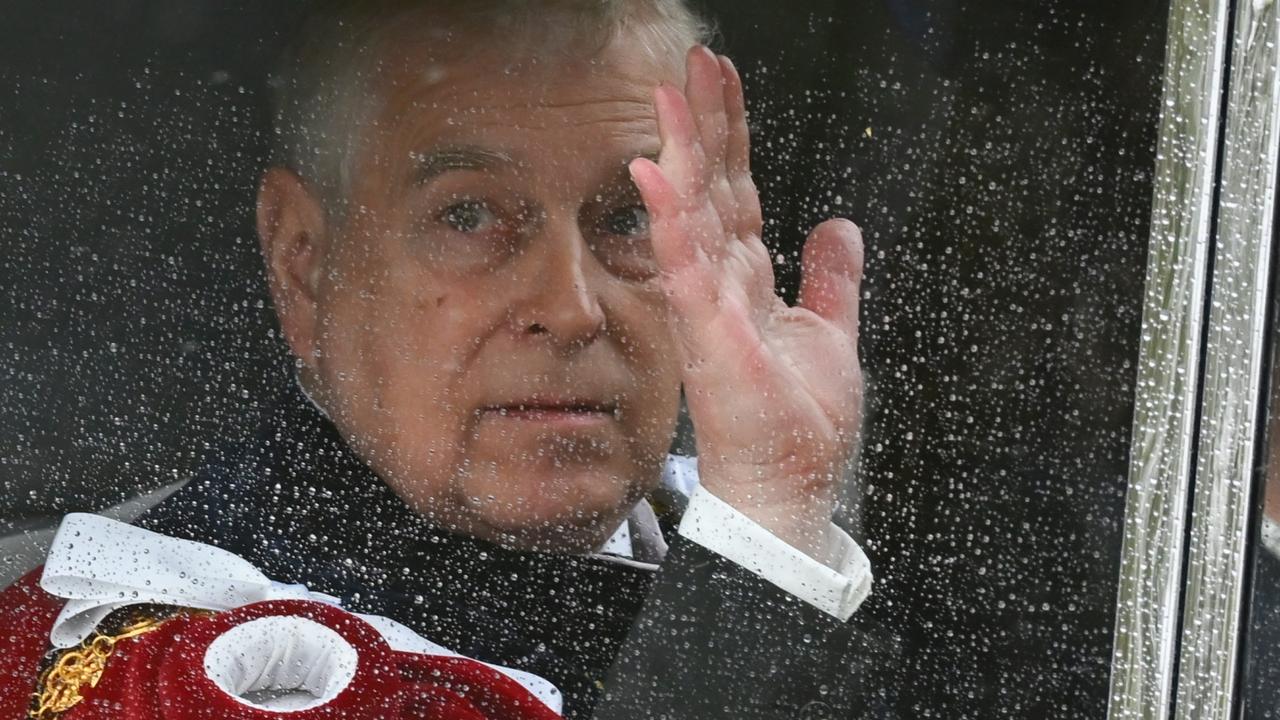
x: 300, y: 504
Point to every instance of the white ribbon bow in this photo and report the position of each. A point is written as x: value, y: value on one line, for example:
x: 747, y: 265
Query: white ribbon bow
x: 98, y: 565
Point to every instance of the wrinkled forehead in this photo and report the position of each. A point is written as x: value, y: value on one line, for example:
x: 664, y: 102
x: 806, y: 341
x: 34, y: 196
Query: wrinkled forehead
x: 526, y: 104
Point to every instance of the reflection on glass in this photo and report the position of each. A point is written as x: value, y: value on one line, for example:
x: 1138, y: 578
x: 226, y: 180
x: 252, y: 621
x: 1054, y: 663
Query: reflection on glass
x: 1260, y: 686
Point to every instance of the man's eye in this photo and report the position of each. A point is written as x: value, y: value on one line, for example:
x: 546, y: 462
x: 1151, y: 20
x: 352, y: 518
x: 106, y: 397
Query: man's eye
x: 468, y: 216
x: 631, y: 220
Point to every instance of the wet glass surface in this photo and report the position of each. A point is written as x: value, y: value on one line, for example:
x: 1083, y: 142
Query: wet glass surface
x: 998, y: 159
x: 1259, y: 684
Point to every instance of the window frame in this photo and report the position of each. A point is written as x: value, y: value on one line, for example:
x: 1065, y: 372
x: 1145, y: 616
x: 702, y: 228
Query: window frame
x: 1234, y: 406
x: 1200, y: 396
x: 1165, y: 396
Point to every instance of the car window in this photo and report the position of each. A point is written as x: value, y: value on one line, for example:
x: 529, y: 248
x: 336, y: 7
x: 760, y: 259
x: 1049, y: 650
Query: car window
x: 998, y: 160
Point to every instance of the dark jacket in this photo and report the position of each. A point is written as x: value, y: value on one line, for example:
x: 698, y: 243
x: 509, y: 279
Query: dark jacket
x: 699, y: 638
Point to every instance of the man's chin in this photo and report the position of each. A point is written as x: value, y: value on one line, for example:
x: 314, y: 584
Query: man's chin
x: 576, y: 511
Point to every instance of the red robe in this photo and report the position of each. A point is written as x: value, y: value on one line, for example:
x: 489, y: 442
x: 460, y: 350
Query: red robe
x: 159, y: 675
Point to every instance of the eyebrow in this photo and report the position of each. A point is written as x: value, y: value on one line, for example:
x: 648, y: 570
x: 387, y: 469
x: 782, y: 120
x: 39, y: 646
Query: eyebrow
x: 623, y: 176
x: 434, y: 163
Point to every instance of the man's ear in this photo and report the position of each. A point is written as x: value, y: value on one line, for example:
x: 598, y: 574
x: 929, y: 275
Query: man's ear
x: 292, y: 231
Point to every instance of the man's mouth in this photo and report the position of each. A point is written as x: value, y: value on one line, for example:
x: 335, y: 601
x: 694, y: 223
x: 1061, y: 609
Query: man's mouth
x: 555, y: 412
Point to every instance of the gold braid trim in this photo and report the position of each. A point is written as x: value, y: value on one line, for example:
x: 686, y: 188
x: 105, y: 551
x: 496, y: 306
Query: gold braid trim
x: 70, y: 671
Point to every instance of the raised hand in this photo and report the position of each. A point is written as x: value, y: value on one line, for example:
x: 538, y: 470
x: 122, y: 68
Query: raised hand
x: 775, y: 392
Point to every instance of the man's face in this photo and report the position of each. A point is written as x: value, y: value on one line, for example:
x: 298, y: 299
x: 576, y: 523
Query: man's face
x: 489, y: 334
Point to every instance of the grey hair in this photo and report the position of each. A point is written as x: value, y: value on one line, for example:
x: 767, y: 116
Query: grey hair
x: 324, y: 86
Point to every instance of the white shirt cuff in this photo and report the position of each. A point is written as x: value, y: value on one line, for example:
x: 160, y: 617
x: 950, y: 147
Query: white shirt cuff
x: 837, y: 590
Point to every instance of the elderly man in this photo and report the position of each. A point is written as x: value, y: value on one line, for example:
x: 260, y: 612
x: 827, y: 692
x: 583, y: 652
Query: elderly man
x: 501, y: 238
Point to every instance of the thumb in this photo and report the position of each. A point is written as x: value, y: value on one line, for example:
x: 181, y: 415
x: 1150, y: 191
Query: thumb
x: 831, y: 273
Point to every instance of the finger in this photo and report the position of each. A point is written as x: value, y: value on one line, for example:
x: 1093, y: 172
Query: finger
x: 673, y: 247
x: 738, y: 140
x: 689, y: 283
x: 682, y: 160
x: 684, y: 165
x: 831, y: 273
x: 705, y: 90
x: 760, y: 261
x: 738, y: 151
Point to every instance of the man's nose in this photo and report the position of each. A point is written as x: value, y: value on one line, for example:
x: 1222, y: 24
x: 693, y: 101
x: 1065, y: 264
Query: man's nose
x: 564, y: 301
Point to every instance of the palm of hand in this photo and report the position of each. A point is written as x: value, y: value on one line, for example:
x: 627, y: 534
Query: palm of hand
x: 775, y: 392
